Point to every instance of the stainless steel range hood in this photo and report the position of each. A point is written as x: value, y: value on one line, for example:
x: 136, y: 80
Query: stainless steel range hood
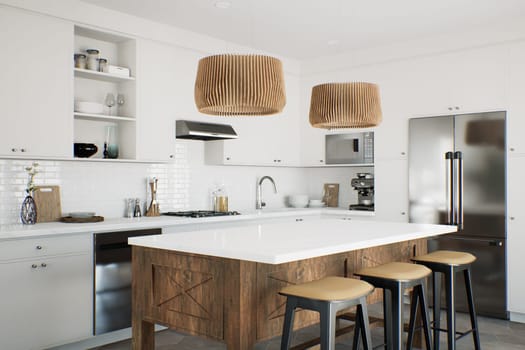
x: 188, y: 129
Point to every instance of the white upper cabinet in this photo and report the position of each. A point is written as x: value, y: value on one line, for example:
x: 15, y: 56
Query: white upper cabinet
x: 36, y: 92
x: 516, y: 112
x: 165, y: 94
x: 469, y: 81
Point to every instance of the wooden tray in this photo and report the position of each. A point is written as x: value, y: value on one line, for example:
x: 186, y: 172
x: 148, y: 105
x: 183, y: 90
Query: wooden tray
x: 71, y: 220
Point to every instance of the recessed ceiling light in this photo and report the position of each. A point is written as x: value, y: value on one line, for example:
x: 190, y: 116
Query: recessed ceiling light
x: 333, y: 42
x: 222, y: 4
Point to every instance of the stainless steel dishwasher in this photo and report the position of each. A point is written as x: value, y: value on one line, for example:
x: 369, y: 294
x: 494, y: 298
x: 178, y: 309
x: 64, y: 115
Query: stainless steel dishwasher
x: 112, y: 279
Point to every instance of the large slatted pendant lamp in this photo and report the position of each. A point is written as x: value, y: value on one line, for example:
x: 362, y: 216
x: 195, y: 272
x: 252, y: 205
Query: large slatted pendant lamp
x: 240, y: 85
x: 345, y: 105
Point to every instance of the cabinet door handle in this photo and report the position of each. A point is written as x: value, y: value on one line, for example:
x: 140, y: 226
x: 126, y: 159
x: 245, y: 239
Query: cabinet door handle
x: 22, y: 150
x: 43, y: 264
x: 34, y: 266
x: 38, y: 247
x: 14, y: 150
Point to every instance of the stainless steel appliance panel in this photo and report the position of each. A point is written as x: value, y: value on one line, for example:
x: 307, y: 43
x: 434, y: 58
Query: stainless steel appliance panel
x: 488, y: 274
x: 354, y: 148
x: 457, y: 176
x: 112, y: 280
x: 429, y: 140
x: 481, y: 140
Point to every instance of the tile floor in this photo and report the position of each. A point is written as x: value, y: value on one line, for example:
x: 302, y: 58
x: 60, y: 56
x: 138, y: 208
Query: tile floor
x: 494, y: 334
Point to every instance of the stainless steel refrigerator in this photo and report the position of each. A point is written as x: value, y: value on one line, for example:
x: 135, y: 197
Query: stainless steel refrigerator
x: 457, y: 177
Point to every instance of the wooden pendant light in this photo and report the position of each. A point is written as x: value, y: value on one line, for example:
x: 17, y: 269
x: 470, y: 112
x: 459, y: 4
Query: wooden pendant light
x: 247, y: 85
x: 345, y: 105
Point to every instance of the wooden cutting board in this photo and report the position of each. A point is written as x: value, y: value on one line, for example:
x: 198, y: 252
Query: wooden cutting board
x: 47, y: 199
x: 331, y: 195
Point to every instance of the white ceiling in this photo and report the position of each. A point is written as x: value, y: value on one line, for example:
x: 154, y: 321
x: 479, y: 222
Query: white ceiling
x: 302, y: 28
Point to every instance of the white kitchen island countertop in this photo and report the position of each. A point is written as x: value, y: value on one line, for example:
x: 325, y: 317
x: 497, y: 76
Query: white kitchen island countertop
x: 276, y: 243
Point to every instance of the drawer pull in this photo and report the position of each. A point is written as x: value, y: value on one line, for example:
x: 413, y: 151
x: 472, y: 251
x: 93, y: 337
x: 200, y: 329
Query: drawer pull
x: 38, y: 247
x: 34, y: 266
x: 43, y: 264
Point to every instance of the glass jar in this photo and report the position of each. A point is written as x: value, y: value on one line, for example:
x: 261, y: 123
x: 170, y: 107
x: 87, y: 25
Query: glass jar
x: 92, y: 59
x: 220, y: 200
x: 103, y: 65
x: 80, y: 61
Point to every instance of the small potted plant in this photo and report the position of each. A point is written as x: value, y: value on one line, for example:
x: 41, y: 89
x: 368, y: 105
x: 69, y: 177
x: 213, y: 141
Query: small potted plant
x: 28, y: 213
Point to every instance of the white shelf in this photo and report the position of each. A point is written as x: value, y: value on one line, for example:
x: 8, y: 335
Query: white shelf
x: 91, y: 74
x: 102, y: 117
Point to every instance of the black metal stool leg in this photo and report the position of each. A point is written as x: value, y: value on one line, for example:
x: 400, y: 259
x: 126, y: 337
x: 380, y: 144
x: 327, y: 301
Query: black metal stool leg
x: 424, y: 314
x: 412, y: 323
x: 291, y: 304
x: 436, y: 311
x: 327, y: 314
x: 451, y: 308
x: 357, y: 330
x: 472, y: 309
x: 387, y: 312
x: 365, y: 329
x: 397, y: 317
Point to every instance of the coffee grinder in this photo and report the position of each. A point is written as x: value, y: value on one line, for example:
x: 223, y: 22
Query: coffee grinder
x: 364, y: 185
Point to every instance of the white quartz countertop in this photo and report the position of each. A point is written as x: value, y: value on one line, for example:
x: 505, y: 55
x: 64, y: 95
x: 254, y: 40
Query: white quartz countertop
x: 276, y: 243
x: 18, y: 231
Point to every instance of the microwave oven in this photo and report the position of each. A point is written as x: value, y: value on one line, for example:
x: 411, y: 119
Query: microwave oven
x: 354, y: 148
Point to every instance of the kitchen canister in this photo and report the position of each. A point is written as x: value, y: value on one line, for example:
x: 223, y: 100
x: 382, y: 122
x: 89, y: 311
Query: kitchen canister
x: 220, y: 199
x: 92, y: 59
x: 103, y: 65
x: 80, y: 60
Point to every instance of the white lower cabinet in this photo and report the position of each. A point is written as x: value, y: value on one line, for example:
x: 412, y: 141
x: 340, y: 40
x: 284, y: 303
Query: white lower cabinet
x: 515, y: 236
x: 46, y: 300
x: 391, y: 189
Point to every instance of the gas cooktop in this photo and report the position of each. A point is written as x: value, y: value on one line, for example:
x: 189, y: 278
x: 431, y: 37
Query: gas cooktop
x: 200, y: 213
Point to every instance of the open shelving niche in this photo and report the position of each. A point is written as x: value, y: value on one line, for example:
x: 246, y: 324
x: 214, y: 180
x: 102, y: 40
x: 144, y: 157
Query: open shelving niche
x: 92, y: 86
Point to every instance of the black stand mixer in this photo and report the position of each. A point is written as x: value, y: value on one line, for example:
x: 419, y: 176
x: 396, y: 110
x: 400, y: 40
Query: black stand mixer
x: 364, y: 185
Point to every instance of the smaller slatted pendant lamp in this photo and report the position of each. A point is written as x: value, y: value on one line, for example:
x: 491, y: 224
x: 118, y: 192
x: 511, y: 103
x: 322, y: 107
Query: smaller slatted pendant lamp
x: 240, y: 85
x: 345, y: 105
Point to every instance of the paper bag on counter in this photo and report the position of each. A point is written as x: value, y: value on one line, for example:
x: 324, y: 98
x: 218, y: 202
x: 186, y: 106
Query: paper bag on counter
x: 331, y: 195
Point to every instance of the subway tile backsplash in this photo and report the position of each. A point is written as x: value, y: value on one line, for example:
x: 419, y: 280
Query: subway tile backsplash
x: 96, y: 186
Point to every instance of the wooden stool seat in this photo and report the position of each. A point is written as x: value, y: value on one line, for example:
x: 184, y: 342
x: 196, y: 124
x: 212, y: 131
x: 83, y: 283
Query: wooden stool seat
x: 447, y: 257
x: 448, y: 263
x: 394, y: 278
x: 396, y: 271
x: 330, y: 289
x: 328, y: 296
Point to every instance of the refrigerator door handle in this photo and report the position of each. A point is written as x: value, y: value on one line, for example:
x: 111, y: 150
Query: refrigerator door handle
x: 458, y: 158
x: 449, y: 157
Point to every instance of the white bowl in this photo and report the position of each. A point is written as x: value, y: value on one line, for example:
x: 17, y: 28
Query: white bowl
x: 298, y: 201
x: 89, y: 107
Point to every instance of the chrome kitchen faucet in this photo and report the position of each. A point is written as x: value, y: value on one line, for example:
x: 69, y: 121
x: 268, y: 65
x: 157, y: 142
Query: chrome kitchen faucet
x: 259, y: 204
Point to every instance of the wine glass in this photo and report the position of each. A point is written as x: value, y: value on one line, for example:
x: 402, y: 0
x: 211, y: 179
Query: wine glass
x: 110, y: 101
x: 120, y: 102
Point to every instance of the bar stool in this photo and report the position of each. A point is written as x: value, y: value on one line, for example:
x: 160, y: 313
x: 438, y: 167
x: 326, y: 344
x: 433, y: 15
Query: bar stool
x: 327, y: 296
x: 448, y: 263
x: 394, y: 278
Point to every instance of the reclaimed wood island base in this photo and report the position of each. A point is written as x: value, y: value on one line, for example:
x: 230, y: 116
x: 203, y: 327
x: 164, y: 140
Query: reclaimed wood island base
x: 236, y: 300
